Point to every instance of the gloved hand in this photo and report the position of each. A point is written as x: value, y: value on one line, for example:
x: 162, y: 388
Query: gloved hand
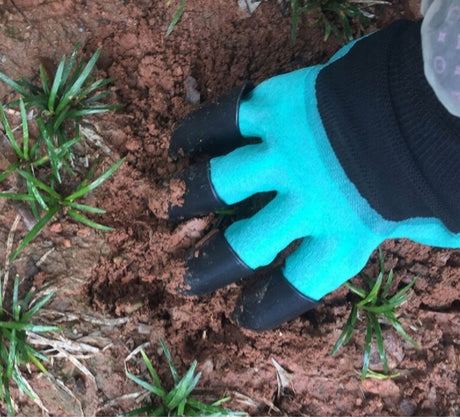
x: 348, y: 147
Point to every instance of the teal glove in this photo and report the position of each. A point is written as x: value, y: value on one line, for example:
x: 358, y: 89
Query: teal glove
x: 315, y: 200
x: 319, y: 196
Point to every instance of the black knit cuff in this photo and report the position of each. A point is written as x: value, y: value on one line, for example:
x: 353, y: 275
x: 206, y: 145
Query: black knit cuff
x: 394, y: 139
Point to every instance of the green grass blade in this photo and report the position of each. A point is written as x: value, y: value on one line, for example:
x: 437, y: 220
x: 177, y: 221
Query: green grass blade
x: 35, y: 230
x: 37, y: 362
x: 191, y: 386
x: 20, y: 382
x: 367, y: 350
x: 32, y: 90
x: 82, y: 219
x: 379, y: 339
x: 61, y: 152
x: 1, y: 305
x: 377, y: 375
x: 56, y: 85
x: 25, y: 130
x: 75, y: 74
x: 372, y: 296
x: 63, y: 115
x: 213, y: 409
x: 369, y: 281
x: 386, y: 290
x: 39, y: 184
x: 25, y: 302
x: 9, y: 133
x: 31, y: 312
x: 12, y: 325
x: 64, y: 148
x: 168, y: 356
x: 380, y: 309
x: 399, y: 328
x: 73, y: 90
x: 44, y: 80
x: 153, y: 373
x: 11, y: 355
x: 182, y: 388
x: 405, y: 289
x: 84, y: 207
x: 8, y: 400
x: 69, y: 65
x: 149, y: 387
x: 94, y: 86
x: 181, y: 408
x: 34, y: 150
x: 33, y: 204
x: 38, y: 197
x: 16, y: 86
x: 88, y: 111
x: 14, y: 196
x: 347, y: 331
x: 100, y: 96
x: 176, y: 17
x: 84, y: 190
x: 50, y: 146
x: 30, y: 350
x: 356, y: 290
x: 8, y: 170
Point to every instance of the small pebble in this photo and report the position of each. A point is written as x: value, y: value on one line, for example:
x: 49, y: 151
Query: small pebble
x: 192, y: 95
x: 407, y: 408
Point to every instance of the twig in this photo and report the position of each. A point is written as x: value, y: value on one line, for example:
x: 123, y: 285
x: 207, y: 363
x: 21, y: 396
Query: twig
x: 137, y: 396
x: 72, y: 316
x: 136, y: 350
x: 62, y: 344
x: 90, y: 134
x: 64, y: 347
x: 62, y: 386
x: 20, y: 12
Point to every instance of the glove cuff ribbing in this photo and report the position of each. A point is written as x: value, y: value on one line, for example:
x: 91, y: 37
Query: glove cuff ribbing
x: 395, y: 141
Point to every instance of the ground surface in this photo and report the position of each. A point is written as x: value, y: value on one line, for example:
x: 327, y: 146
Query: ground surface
x: 112, y: 290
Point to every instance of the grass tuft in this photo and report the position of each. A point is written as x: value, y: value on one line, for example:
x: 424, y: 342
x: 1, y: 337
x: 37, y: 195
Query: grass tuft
x: 378, y: 309
x: 15, y: 322
x: 176, y: 402
x: 334, y: 16
x: 43, y: 173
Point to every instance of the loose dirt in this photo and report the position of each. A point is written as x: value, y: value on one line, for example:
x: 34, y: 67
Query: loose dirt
x: 113, y: 291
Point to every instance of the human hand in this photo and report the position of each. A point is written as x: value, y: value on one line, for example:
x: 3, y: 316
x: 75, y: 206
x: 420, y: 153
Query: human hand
x: 316, y: 201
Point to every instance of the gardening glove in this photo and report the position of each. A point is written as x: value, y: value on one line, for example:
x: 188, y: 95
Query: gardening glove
x: 358, y: 150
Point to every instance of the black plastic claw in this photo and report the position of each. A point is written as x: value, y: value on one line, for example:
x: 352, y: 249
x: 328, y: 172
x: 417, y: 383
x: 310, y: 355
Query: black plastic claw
x: 213, y: 265
x: 212, y: 129
x: 199, y: 197
x: 269, y: 302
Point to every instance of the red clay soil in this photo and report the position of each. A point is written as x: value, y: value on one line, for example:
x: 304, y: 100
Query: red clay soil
x: 114, y: 291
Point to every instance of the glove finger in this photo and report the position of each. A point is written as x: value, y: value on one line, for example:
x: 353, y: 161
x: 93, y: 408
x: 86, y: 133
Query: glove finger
x: 269, y: 302
x: 321, y: 264
x: 238, y: 175
x: 197, y: 194
x: 212, y: 265
x: 259, y: 239
x: 244, y: 172
x: 212, y: 129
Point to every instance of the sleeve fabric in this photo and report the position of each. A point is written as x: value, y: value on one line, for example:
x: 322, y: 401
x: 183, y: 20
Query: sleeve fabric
x: 440, y: 32
x: 395, y: 140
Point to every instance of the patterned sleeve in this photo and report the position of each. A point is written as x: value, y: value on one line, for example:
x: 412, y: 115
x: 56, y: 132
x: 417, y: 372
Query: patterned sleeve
x: 440, y: 32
